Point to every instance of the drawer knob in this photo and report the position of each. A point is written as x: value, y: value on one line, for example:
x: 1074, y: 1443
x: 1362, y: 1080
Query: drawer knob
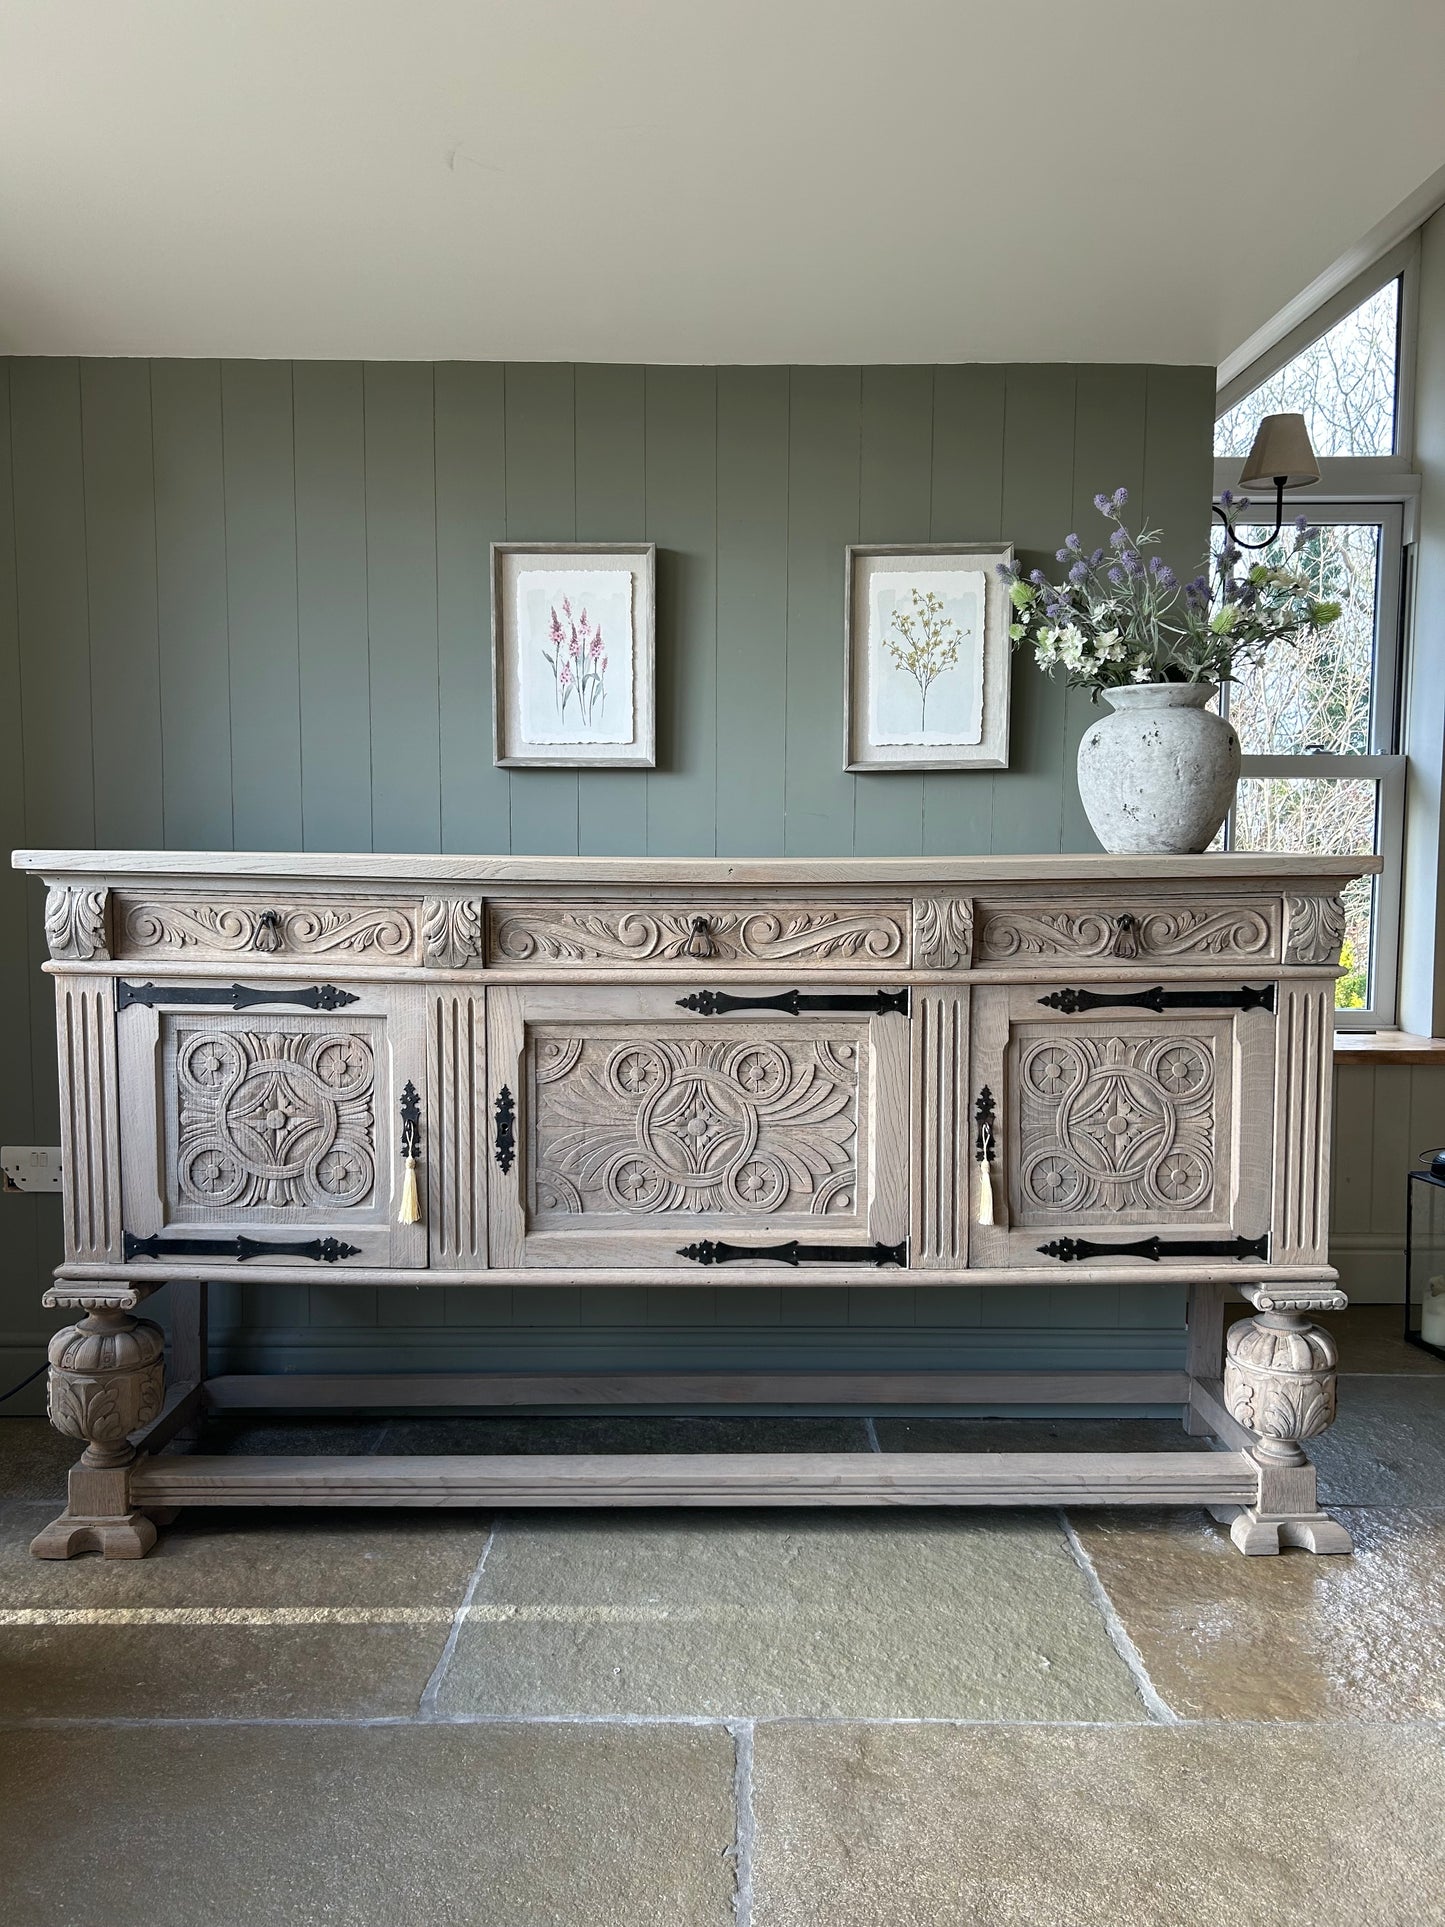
x: 268, y: 931
x: 700, y: 939
x: 1126, y: 936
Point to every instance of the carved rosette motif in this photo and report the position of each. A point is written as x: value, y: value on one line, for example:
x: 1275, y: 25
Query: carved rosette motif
x: 942, y: 933
x: 107, y: 1377
x: 1088, y: 934
x: 314, y: 931
x: 274, y: 1119
x: 1316, y: 930
x: 75, y: 923
x: 746, y: 1125
x: 451, y: 932
x: 1116, y: 1124
x: 1279, y: 1380
x: 638, y: 936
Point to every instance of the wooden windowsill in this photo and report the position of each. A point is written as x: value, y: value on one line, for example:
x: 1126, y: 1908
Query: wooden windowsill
x: 1387, y: 1047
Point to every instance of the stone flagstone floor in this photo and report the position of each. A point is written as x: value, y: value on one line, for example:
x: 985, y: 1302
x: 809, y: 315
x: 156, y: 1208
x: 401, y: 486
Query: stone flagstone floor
x: 900, y: 1719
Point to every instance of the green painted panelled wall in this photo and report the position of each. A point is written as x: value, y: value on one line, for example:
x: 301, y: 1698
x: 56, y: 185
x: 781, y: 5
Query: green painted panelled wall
x: 244, y: 605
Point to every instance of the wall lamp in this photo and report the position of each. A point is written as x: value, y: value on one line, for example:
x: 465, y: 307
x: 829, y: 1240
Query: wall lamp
x: 1282, y: 457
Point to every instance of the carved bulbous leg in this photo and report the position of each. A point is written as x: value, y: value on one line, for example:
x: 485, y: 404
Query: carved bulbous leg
x: 107, y: 1378
x: 1279, y: 1383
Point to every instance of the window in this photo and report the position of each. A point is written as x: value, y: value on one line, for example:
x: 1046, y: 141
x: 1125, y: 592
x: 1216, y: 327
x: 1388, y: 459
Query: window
x: 1344, y: 384
x: 1318, y: 723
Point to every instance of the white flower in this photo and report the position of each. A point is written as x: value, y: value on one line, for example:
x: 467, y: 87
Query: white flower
x: 1109, y: 646
x: 1071, y: 646
x: 1143, y: 670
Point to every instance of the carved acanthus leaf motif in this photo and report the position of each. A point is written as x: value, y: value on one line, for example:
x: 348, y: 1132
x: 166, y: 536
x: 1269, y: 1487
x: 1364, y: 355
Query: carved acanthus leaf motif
x: 942, y: 933
x: 274, y: 1120
x: 1152, y: 933
x: 1279, y: 1377
x: 1117, y: 1126
x: 75, y: 923
x: 315, y: 930
x: 632, y: 936
x: 746, y: 1125
x: 1316, y: 930
x: 451, y: 932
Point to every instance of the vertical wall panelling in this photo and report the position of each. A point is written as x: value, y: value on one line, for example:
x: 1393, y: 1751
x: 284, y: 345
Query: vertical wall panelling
x: 471, y: 510
x: 401, y: 584
x: 1038, y: 494
x: 823, y: 422
x: 23, y: 995
x: 611, y: 507
x: 331, y: 557
x: 752, y: 610
x: 682, y: 520
x: 261, y: 599
x: 120, y: 546
x: 894, y: 505
x: 195, y: 650
x: 966, y: 506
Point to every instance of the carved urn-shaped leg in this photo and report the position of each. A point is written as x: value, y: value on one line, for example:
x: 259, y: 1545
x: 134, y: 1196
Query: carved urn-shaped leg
x: 1279, y: 1383
x: 107, y: 1378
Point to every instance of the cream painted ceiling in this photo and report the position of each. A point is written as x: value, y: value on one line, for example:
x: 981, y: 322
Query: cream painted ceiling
x: 664, y: 180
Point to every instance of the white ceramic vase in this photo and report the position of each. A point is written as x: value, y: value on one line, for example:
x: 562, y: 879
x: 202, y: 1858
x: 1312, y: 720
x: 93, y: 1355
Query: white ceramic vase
x: 1158, y: 776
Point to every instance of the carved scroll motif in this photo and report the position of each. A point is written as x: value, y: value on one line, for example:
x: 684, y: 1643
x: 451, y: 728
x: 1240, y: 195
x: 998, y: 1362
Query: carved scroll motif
x: 942, y: 933
x: 314, y: 931
x: 1123, y: 1125
x: 1316, y: 930
x: 451, y: 932
x: 274, y: 1119
x: 75, y: 923
x: 635, y: 936
x: 1087, y: 934
x: 744, y: 1125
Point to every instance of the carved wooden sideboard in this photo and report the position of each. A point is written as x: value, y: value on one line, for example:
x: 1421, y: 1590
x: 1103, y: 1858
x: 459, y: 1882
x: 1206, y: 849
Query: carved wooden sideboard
x: 1000, y: 1071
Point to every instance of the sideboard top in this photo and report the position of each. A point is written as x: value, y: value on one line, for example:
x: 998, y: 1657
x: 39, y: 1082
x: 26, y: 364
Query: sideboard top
x: 967, y: 872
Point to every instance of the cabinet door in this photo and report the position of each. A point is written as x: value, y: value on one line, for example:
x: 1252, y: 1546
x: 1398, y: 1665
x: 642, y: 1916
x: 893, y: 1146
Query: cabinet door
x: 1116, y: 1124
x: 631, y: 1127
x: 271, y: 1111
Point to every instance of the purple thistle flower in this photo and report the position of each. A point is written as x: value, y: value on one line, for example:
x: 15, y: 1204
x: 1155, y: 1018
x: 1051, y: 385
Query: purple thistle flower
x: 1103, y: 504
x: 1061, y: 555
x: 1119, y: 539
x: 1006, y: 573
x: 1072, y: 542
x: 1121, y: 497
x: 1096, y: 558
x: 1302, y: 523
x: 1037, y: 577
x: 1131, y: 562
x: 1079, y: 572
x: 1167, y: 577
x: 1116, y: 576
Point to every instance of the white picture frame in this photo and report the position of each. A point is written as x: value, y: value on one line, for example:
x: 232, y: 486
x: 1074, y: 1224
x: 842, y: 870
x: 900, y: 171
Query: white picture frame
x: 574, y: 655
x: 926, y: 656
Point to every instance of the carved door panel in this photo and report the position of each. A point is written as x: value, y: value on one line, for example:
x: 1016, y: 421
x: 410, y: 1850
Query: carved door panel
x: 1115, y: 1124
x: 269, y: 1113
x: 626, y: 1128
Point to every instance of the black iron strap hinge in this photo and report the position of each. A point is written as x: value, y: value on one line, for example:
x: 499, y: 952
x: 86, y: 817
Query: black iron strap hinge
x: 324, y: 1251
x: 230, y: 996
x: 1069, y: 1250
x: 1074, y: 1000
x: 712, y: 1251
x: 876, y: 1003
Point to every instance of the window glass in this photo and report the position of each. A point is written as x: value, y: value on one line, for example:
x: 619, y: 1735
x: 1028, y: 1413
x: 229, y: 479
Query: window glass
x: 1343, y: 384
x: 1332, y: 817
x: 1316, y: 694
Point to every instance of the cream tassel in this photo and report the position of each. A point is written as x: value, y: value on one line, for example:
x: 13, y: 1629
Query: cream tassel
x: 410, y: 1201
x: 985, y: 1190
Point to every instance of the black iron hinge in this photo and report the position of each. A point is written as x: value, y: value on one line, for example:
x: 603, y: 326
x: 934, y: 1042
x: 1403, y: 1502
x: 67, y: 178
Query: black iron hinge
x: 1069, y: 1250
x: 1073, y: 1000
x: 712, y: 1251
x: 230, y: 996
x: 504, y: 1146
x: 325, y: 1251
x: 876, y: 1003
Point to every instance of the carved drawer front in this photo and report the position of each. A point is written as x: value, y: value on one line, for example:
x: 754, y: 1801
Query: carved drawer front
x: 1115, y: 1124
x: 264, y: 1123
x: 1182, y: 929
x: 332, y: 929
x: 766, y: 935
x: 628, y: 1130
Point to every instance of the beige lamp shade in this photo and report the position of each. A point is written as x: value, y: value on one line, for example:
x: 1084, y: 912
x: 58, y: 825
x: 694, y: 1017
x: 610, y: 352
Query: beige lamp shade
x: 1281, y: 452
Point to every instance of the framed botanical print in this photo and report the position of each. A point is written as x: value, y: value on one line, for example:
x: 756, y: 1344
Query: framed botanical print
x: 573, y: 655
x: 927, y: 657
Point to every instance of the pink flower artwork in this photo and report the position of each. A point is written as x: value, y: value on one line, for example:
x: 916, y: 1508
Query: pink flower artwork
x: 577, y: 662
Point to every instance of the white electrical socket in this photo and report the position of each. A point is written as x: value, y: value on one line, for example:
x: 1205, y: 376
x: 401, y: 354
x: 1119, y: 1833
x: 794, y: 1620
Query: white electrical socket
x: 30, y: 1167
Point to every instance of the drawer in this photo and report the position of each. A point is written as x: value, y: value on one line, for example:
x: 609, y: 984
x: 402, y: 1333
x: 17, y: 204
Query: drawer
x: 690, y: 933
x: 1183, y: 929
x: 187, y: 924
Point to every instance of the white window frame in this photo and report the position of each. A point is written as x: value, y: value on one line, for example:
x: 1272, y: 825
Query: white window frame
x: 1361, y: 488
